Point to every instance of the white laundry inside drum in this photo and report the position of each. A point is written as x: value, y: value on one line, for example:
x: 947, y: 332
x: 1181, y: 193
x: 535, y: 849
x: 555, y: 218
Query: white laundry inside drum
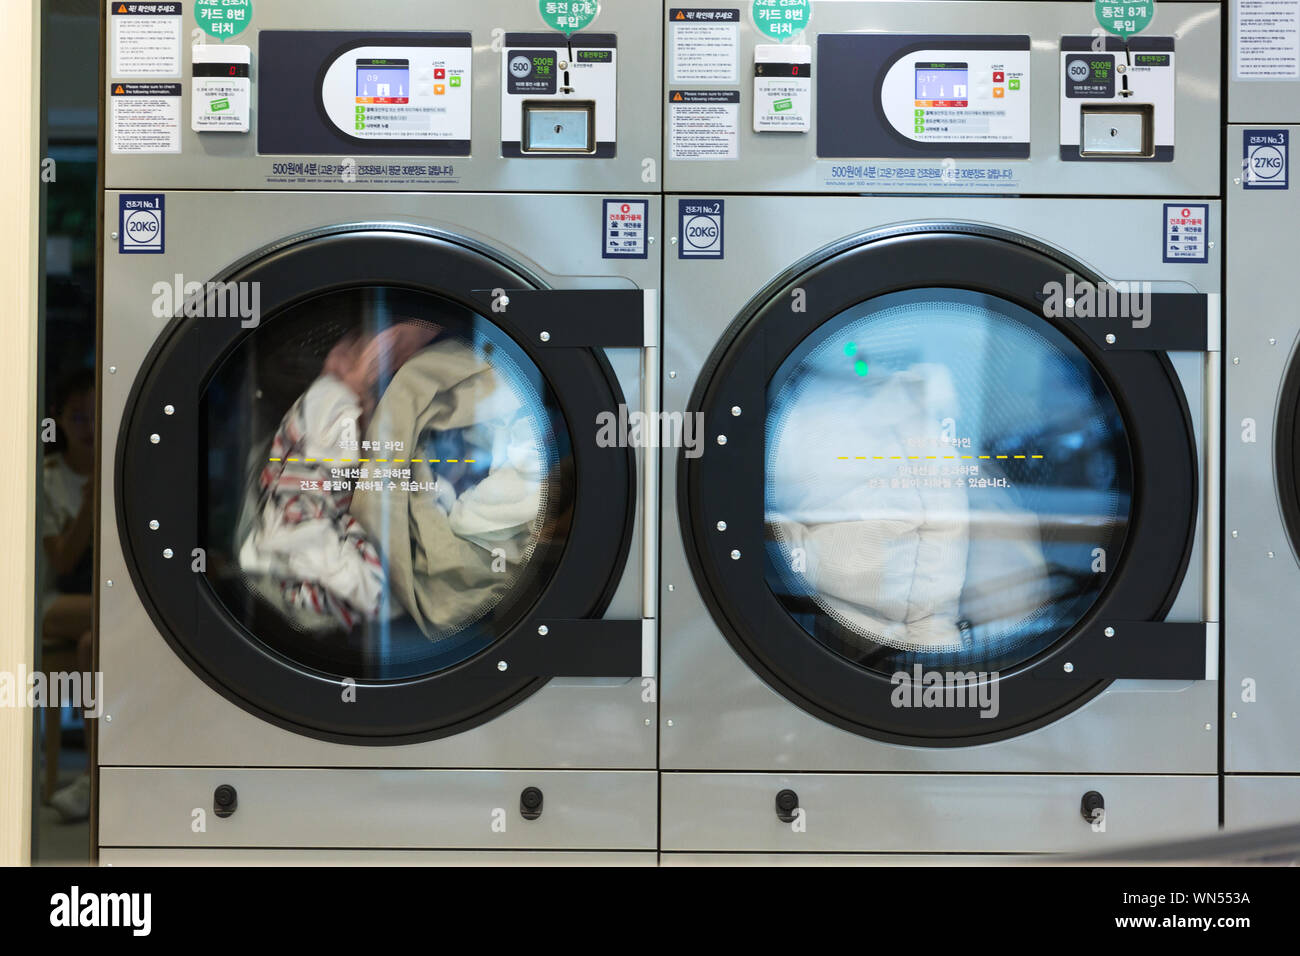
x: 948, y: 481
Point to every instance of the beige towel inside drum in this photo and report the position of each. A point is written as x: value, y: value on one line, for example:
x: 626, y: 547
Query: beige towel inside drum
x: 444, y: 579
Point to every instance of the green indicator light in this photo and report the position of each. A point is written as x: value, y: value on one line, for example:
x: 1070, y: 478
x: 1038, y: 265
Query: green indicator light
x: 851, y: 349
x: 861, y: 368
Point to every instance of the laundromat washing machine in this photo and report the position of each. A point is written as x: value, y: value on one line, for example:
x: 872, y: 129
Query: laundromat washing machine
x: 942, y: 304
x: 1262, y: 417
x: 371, y: 585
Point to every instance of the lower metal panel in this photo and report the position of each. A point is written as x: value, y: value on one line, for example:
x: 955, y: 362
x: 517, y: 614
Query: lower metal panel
x: 154, y: 857
x: 1250, y: 803
x: 931, y: 813
x: 378, y: 809
x: 850, y: 859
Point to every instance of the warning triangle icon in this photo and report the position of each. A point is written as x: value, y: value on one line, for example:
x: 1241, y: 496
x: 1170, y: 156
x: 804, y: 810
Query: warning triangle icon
x: 121, y: 8
x: 119, y: 89
x: 677, y: 97
x: 680, y: 15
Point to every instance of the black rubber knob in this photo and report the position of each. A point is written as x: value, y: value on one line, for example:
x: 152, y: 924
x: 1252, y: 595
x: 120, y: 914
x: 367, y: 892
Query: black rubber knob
x: 787, y: 802
x: 224, y: 801
x: 530, y: 803
x: 1092, y: 806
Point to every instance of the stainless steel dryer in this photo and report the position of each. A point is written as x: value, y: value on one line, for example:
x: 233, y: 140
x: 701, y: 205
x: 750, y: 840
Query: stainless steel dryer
x: 372, y: 585
x: 1262, y: 391
x: 940, y: 568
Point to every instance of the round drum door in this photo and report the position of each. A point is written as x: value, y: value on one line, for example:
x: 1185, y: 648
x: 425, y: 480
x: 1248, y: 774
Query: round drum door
x: 345, y: 493
x: 919, y: 492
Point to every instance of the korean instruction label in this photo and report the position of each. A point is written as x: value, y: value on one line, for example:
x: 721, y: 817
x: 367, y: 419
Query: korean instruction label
x: 146, y: 38
x: 704, y: 45
x: 1267, y: 39
x: 1186, y: 230
x: 626, y: 222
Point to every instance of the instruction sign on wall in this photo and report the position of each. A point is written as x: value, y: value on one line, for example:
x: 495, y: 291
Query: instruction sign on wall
x: 145, y: 117
x: 704, y: 45
x: 1267, y: 39
x: 146, y: 39
x: 704, y: 124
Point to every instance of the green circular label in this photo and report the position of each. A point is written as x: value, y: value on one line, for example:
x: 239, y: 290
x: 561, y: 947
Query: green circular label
x: 568, y: 16
x: 1124, y: 19
x: 223, y: 19
x: 782, y: 19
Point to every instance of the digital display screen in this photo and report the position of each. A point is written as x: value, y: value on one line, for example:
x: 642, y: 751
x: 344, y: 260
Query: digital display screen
x: 942, y: 84
x: 383, y: 81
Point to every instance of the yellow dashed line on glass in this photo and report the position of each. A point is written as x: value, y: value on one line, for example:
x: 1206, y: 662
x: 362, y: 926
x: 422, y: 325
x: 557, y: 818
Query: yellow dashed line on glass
x: 383, y: 461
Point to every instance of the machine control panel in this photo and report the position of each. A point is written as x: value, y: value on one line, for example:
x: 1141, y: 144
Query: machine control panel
x: 1117, y: 98
x: 1002, y: 97
x: 957, y: 96
x: 324, y: 92
x: 559, y: 96
x: 400, y: 93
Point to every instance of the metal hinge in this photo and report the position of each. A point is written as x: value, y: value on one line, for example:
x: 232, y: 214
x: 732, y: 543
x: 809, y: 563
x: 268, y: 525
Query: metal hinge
x: 576, y: 318
x: 1170, y: 322
x: 1138, y: 650
x: 578, y: 648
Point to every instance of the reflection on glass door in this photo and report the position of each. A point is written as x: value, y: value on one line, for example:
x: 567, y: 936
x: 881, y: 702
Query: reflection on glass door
x: 947, y: 481
x: 388, y: 483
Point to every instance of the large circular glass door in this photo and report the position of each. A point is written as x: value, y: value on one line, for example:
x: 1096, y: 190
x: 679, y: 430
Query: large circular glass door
x: 942, y: 469
x: 345, y: 511
x: 389, y: 483
x: 924, y: 479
